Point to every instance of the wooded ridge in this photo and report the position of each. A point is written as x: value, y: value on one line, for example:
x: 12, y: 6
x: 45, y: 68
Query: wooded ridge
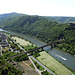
x: 41, y: 28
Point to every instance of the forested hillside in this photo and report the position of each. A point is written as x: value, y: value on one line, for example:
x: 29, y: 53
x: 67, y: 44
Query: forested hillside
x: 9, y: 18
x: 35, y: 26
x: 41, y: 28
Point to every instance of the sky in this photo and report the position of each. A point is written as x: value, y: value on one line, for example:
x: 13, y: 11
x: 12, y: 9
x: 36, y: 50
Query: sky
x: 39, y: 7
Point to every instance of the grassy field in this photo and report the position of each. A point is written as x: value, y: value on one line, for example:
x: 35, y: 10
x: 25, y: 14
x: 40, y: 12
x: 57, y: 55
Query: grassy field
x: 21, y: 41
x: 53, y: 64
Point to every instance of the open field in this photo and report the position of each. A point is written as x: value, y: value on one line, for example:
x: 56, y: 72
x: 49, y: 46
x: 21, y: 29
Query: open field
x: 21, y: 41
x: 28, y: 70
x: 53, y: 64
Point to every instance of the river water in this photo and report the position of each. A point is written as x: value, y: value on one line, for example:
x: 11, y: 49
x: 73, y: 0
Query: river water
x: 61, y: 56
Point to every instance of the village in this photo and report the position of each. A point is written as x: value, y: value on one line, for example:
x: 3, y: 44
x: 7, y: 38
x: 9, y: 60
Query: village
x: 3, y: 42
x: 9, y: 48
x: 4, y: 45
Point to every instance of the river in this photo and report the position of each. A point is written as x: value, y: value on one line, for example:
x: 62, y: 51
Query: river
x: 61, y: 56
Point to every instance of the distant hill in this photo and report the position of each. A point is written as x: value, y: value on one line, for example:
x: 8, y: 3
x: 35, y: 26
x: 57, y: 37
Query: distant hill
x: 60, y: 19
x: 6, y: 19
x: 5, y: 16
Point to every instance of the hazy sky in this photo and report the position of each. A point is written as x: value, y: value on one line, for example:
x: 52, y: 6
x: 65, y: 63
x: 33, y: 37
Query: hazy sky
x: 39, y: 7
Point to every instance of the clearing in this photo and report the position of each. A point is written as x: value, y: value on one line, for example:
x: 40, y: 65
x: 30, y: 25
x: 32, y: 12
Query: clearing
x: 22, y: 42
x: 53, y: 64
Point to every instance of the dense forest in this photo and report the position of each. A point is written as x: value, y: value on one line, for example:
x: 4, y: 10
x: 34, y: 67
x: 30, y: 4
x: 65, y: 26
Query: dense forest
x: 8, y: 69
x: 41, y: 28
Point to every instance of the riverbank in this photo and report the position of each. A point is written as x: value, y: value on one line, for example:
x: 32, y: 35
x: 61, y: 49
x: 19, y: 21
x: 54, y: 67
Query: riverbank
x: 53, y: 64
x: 62, y: 50
x: 70, y: 62
x: 39, y: 63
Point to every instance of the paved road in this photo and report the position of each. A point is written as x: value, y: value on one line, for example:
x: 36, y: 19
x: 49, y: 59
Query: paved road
x: 42, y: 65
x: 36, y: 61
x: 37, y: 70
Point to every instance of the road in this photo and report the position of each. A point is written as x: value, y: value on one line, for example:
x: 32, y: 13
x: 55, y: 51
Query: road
x: 42, y: 65
x: 37, y: 70
x: 36, y: 61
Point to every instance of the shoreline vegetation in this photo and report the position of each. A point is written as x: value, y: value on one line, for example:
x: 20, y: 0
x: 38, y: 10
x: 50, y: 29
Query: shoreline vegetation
x: 64, y: 48
x: 44, y: 43
x: 57, y: 60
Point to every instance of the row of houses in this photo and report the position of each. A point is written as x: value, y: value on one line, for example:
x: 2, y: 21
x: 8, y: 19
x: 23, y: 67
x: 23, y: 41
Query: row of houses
x: 4, y: 44
x: 3, y: 40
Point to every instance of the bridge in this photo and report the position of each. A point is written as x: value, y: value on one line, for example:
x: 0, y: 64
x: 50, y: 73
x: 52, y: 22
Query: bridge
x: 43, y: 46
x: 38, y: 48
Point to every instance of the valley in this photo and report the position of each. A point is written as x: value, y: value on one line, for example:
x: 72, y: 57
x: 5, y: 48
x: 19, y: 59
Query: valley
x: 36, y: 29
